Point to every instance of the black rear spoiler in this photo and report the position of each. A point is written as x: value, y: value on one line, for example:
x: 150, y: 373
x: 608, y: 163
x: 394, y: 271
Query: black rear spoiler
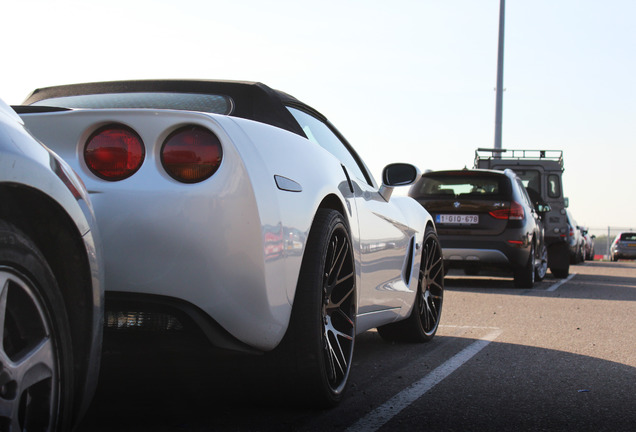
x: 32, y: 109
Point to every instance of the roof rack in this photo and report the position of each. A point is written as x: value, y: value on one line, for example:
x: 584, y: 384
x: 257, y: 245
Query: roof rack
x: 503, y: 154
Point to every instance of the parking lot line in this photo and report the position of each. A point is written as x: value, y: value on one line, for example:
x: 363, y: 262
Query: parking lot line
x: 381, y: 415
x: 558, y: 284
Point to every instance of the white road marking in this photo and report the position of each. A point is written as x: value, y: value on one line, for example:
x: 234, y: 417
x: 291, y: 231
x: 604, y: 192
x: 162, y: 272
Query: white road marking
x: 468, y: 327
x: 381, y: 415
x: 558, y: 284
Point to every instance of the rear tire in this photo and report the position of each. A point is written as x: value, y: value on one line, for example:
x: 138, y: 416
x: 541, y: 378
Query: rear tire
x: 423, y: 322
x: 559, y: 260
x: 524, y: 276
x: 315, y: 354
x: 542, y: 268
x: 35, y: 345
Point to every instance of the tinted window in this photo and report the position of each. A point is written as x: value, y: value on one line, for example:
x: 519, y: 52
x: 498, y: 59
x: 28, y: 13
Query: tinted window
x: 554, y: 186
x: 216, y: 104
x: 319, y: 133
x: 458, y: 185
x: 531, y: 179
x: 628, y: 237
x: 524, y: 193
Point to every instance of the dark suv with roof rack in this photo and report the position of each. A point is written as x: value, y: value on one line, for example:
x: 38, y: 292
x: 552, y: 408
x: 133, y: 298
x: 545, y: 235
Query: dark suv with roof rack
x: 541, y: 173
x: 485, y: 221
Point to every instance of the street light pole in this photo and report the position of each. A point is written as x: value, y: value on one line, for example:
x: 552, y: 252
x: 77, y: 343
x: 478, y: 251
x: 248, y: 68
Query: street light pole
x: 500, y: 68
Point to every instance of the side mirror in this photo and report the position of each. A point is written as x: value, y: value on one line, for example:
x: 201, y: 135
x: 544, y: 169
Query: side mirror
x: 566, y: 201
x: 397, y: 174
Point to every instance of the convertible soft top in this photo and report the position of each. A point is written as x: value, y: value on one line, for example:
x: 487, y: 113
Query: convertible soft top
x: 252, y: 100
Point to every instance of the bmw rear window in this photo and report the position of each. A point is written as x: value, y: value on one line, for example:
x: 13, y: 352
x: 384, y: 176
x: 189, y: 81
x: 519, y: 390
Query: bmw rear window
x: 459, y: 185
x: 211, y: 103
x: 628, y: 237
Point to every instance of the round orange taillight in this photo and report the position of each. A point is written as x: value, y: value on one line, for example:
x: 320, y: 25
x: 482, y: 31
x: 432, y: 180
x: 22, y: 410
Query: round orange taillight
x: 191, y: 154
x: 114, y: 152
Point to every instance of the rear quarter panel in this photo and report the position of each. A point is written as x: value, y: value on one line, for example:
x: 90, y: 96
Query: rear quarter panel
x: 233, y: 244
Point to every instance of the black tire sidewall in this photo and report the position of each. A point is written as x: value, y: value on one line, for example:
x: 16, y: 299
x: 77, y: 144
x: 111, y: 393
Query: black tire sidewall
x: 411, y: 329
x: 429, y: 233
x: 524, y: 276
x: 301, y: 351
x: 20, y: 256
x: 538, y: 277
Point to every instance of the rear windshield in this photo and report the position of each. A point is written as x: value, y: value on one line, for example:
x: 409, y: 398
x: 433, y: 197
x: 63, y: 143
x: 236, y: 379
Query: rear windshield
x: 628, y: 237
x: 462, y: 185
x: 531, y: 179
x: 217, y: 104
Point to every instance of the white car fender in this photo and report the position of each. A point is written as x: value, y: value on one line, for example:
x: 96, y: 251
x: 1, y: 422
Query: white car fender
x: 290, y: 185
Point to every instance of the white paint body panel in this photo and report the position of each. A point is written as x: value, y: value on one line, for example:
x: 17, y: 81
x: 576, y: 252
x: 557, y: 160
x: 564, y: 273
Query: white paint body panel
x: 26, y: 164
x: 233, y: 244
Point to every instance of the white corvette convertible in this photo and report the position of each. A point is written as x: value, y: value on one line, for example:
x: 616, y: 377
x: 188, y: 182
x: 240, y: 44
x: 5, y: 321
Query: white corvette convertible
x: 238, y: 210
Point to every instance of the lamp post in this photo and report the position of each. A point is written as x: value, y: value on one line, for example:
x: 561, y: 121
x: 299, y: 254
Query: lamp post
x: 500, y: 68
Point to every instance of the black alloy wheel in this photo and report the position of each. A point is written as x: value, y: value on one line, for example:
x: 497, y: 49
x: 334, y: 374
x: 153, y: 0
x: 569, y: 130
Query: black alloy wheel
x: 317, y: 349
x: 338, y: 312
x: 35, y: 354
x: 426, y: 314
x: 431, y: 285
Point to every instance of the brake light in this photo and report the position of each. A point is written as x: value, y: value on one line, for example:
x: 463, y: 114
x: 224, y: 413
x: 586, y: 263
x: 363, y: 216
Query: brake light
x: 114, y: 152
x: 515, y: 212
x: 191, y: 154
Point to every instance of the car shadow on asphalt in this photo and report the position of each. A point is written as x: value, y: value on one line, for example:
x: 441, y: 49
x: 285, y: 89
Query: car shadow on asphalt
x: 580, y: 286
x: 506, y: 385
x: 492, y: 282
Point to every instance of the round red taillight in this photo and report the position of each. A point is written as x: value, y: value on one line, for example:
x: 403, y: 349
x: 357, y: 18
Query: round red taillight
x: 191, y: 154
x: 114, y: 152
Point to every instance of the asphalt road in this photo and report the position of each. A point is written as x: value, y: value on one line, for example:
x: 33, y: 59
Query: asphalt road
x: 560, y: 357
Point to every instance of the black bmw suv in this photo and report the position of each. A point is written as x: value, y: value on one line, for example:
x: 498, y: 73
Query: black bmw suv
x: 485, y: 220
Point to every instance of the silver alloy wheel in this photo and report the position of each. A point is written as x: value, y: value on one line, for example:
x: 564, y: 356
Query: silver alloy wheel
x: 431, y: 281
x: 542, y: 268
x: 338, y: 310
x: 29, y: 383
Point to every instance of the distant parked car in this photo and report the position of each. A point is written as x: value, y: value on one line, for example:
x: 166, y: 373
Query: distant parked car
x: 51, y: 287
x: 623, y: 246
x: 589, y: 243
x: 485, y: 220
x: 575, y: 240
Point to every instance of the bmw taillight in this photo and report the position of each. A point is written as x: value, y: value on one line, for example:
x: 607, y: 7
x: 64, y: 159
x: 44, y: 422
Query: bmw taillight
x: 191, y: 154
x: 515, y: 212
x: 114, y: 152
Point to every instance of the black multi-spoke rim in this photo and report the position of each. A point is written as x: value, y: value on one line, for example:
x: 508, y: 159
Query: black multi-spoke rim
x: 28, y: 364
x: 338, y: 312
x: 431, y: 283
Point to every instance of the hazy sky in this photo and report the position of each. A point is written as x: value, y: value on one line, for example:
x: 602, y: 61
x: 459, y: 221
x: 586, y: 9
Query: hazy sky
x: 402, y: 80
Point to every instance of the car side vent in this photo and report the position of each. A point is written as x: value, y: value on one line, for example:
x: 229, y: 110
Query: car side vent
x: 408, y: 267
